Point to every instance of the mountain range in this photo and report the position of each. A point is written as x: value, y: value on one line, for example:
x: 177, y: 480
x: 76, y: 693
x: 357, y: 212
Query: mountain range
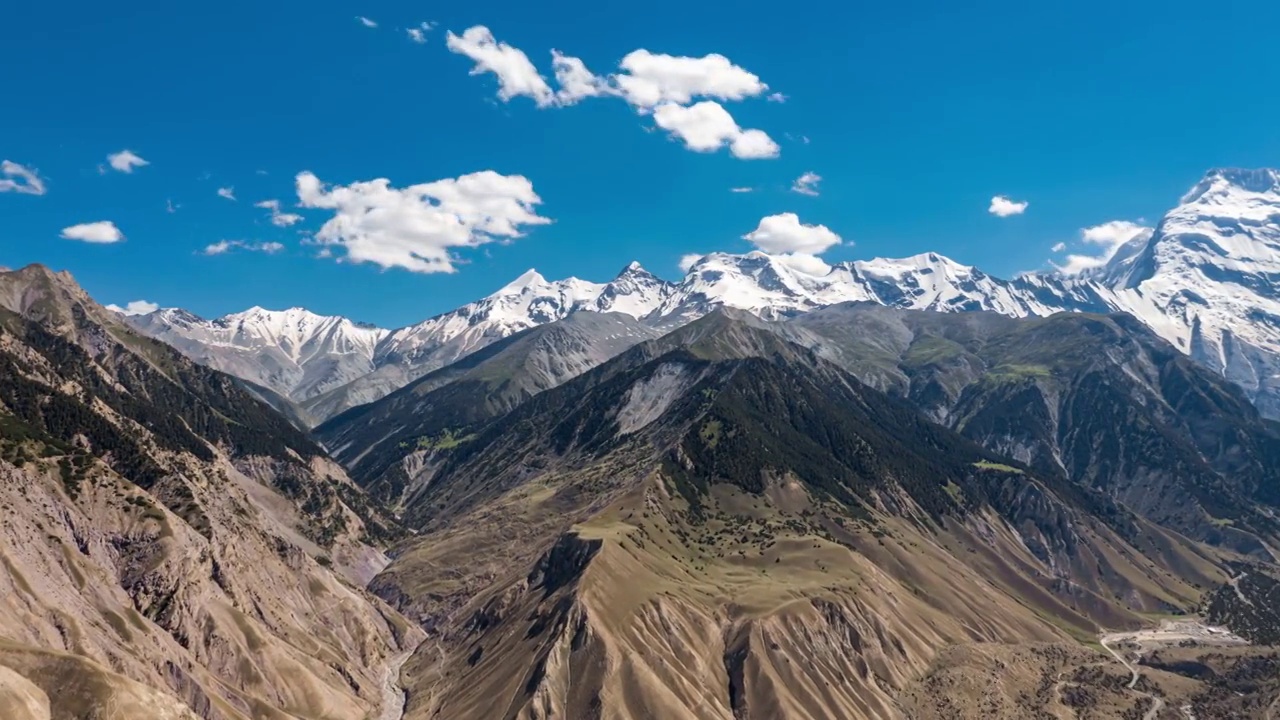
x: 796, y: 518
x: 893, y: 489
x: 1204, y: 278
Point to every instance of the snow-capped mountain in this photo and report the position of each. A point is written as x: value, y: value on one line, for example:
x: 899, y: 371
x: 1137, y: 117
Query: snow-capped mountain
x: 329, y: 364
x: 294, y: 352
x: 774, y: 285
x: 1208, y: 280
x: 1205, y: 279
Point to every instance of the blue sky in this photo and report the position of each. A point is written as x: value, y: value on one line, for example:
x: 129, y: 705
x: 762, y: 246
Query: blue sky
x: 916, y: 114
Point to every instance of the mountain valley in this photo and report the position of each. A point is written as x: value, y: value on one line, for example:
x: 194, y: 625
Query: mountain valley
x: 722, y: 523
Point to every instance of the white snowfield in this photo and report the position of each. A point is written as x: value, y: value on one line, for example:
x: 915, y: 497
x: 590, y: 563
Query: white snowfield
x: 1205, y: 280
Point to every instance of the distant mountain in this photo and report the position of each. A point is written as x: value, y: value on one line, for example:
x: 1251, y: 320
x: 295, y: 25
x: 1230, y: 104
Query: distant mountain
x: 1101, y: 399
x: 440, y: 408
x: 170, y: 546
x: 328, y: 364
x: 293, y: 352
x: 1098, y: 399
x: 1205, y: 280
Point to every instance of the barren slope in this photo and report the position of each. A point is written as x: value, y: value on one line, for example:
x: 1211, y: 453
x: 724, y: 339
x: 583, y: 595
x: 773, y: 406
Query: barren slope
x: 166, y: 541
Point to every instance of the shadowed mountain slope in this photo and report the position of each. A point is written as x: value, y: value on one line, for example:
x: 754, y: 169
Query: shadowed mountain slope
x: 170, y: 546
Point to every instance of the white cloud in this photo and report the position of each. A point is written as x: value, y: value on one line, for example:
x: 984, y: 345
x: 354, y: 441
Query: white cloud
x: 688, y: 261
x: 417, y: 227
x: 776, y: 97
x: 170, y: 207
x: 278, y: 218
x: 1113, y: 234
x: 665, y: 85
x: 366, y: 21
x: 575, y: 80
x: 125, y: 161
x: 650, y: 79
x: 807, y: 264
x: 516, y: 74
x: 1058, y: 247
x: 20, y: 179
x: 784, y: 233
x: 742, y: 189
x: 807, y: 184
x: 1002, y: 206
x: 419, y: 34
x: 1110, y: 237
x: 135, y: 307
x: 225, y: 246
x: 228, y: 193
x: 707, y: 127
x: 103, y: 231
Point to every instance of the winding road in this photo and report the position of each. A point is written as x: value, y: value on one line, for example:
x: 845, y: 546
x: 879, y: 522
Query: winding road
x: 1157, y: 702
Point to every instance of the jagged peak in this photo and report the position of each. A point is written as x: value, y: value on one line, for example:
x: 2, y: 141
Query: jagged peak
x: 1258, y: 181
x: 275, y: 321
x: 920, y: 261
x: 171, y: 314
x: 41, y: 279
x: 746, y: 262
x: 634, y: 269
x: 44, y: 271
x: 527, y: 279
x: 257, y: 311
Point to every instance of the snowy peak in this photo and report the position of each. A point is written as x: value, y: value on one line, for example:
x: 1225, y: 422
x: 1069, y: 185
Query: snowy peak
x: 930, y: 281
x: 924, y: 263
x: 528, y: 280
x: 756, y: 281
x: 634, y: 273
x: 297, y: 332
x: 1231, y: 200
x: 1228, y: 181
x: 779, y: 285
x: 1208, y: 279
x: 1230, y: 220
x: 635, y: 292
x: 294, y: 352
x: 177, y: 316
